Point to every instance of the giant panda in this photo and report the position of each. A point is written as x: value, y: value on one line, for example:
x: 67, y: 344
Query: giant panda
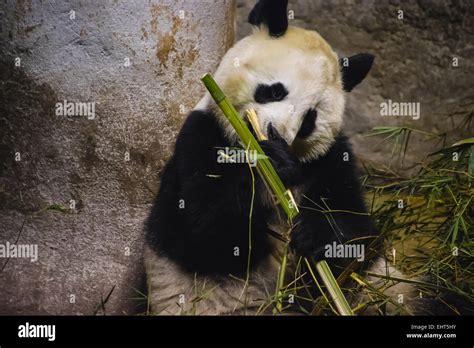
x: 211, y: 247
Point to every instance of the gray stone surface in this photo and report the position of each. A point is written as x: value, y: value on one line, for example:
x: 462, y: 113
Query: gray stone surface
x: 138, y: 110
x: 413, y: 64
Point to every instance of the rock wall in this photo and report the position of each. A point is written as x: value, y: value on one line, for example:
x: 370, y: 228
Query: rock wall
x: 79, y: 183
x: 414, y: 63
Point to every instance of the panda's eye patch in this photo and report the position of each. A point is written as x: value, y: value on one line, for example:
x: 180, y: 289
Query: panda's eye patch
x: 270, y: 93
x: 309, y: 124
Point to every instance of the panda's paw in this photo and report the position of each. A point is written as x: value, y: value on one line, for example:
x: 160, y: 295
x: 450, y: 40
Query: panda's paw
x: 301, y: 243
x: 285, y: 163
x: 306, y: 243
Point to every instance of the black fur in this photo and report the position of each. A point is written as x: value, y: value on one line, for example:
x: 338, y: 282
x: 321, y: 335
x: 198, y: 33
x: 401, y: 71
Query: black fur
x: 309, y: 124
x: 202, y: 236
x: 273, y: 14
x: 356, y: 70
x: 331, y: 183
x: 284, y: 162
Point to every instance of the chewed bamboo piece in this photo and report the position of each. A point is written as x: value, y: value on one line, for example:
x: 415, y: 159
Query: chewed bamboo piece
x: 253, y: 119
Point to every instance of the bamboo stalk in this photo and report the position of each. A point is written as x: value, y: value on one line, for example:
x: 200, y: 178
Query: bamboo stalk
x: 281, y: 281
x: 284, y: 196
x: 333, y: 288
x: 270, y: 176
x: 253, y: 119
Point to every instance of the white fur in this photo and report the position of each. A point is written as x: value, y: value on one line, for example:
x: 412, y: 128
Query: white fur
x: 206, y: 295
x: 308, y: 68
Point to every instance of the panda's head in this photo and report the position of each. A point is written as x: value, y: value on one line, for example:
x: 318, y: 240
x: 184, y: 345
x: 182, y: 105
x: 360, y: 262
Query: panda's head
x: 291, y: 77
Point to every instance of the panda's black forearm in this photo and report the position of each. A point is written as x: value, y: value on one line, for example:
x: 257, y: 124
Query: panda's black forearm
x: 225, y: 196
x: 318, y: 228
x: 208, y: 177
x: 332, y: 207
x: 215, y: 235
x: 202, y: 212
x: 201, y: 222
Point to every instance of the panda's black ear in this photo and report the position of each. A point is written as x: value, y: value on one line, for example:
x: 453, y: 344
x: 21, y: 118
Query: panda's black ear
x: 355, y: 69
x: 273, y: 14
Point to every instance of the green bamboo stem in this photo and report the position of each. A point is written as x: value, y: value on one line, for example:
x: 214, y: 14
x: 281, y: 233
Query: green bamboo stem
x: 281, y: 281
x: 264, y: 166
x: 333, y: 288
x: 284, y: 196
